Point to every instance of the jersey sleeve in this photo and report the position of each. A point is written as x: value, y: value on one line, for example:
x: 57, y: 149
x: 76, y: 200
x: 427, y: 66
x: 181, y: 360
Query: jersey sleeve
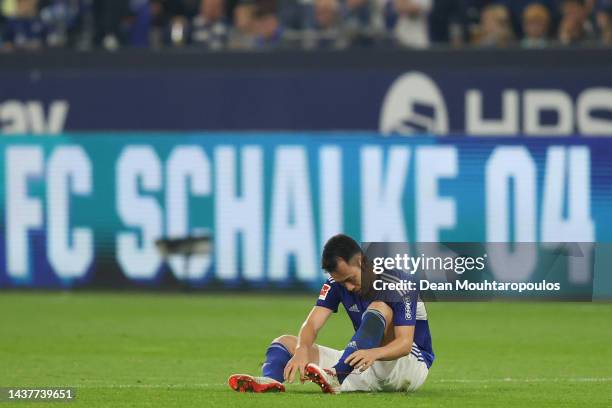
x: 404, y: 311
x: 329, y: 296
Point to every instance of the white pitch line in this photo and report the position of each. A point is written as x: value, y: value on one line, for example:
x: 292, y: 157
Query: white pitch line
x: 203, y: 385
x: 525, y: 380
x: 456, y: 380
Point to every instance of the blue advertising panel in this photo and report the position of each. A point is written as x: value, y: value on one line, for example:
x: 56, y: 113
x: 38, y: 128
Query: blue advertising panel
x: 80, y: 210
x: 478, y: 94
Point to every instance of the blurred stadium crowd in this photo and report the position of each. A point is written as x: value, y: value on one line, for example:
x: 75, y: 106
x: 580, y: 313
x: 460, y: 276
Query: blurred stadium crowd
x: 307, y: 24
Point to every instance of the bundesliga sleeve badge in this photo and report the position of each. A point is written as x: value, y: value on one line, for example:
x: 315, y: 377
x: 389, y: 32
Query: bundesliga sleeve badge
x: 324, y: 290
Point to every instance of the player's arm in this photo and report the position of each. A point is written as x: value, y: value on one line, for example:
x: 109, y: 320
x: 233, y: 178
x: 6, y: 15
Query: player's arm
x: 400, y: 346
x: 306, y: 339
x: 403, y: 321
x: 311, y: 326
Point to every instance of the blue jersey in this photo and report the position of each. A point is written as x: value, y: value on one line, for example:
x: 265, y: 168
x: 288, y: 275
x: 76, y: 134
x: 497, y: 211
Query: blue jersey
x: 410, y: 312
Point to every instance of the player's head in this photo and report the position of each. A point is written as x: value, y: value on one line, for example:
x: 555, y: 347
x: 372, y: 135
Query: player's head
x: 342, y: 260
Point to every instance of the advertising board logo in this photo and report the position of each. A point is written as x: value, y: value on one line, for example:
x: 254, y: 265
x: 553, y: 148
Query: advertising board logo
x: 414, y: 105
x: 33, y: 116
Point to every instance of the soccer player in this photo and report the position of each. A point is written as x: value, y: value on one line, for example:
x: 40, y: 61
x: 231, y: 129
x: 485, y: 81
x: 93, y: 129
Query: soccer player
x: 391, y: 349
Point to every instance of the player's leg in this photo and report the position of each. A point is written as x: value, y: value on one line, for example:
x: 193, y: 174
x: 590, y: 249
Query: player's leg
x: 324, y: 357
x: 328, y: 357
x: 370, y: 334
x: 249, y: 383
x: 408, y: 374
x: 289, y: 342
x: 279, y: 352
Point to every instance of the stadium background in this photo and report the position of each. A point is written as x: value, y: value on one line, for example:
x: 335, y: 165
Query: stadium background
x: 305, y: 153
x: 271, y: 152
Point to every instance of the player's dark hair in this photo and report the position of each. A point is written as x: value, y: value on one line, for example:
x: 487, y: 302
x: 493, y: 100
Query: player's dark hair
x: 339, y: 246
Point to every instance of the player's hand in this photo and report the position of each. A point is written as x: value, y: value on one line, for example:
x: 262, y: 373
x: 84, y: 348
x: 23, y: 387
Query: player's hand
x: 296, y: 365
x: 362, y: 359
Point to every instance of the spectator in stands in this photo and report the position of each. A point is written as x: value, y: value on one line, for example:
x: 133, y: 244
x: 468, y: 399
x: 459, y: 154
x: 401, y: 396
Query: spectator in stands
x: 25, y: 30
x: 209, y: 28
x: 136, y: 24
x: 2, y: 22
x: 448, y: 22
x: 170, y: 21
x: 166, y: 10
x: 517, y: 8
x: 296, y: 17
x: 495, y: 27
x: 33, y: 24
x: 536, y: 24
x: 292, y: 14
x: 242, y: 34
x: 269, y: 31
x: 64, y: 21
x: 604, y: 23
x: 185, y: 8
x: 409, y: 21
x: 575, y: 27
x: 359, y: 21
x: 159, y: 23
x: 108, y: 15
x: 328, y: 30
x: 590, y: 6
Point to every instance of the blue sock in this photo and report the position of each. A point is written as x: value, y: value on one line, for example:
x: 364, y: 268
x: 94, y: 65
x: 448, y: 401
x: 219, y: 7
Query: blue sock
x: 277, y: 358
x: 369, y: 335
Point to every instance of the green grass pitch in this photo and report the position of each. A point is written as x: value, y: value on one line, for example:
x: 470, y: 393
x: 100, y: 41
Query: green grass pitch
x: 126, y: 350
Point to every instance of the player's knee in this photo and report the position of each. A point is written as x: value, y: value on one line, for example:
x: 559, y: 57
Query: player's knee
x: 287, y: 340
x: 383, y: 309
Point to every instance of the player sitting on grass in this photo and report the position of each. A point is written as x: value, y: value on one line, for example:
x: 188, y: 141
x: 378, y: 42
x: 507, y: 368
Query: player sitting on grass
x: 391, y: 347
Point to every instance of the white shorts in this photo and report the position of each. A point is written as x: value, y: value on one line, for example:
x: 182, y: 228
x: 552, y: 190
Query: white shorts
x: 404, y: 374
